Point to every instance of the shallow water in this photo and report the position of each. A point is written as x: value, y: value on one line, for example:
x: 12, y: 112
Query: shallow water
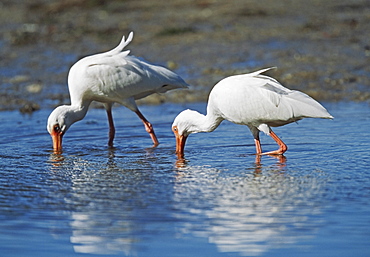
x: 136, y: 200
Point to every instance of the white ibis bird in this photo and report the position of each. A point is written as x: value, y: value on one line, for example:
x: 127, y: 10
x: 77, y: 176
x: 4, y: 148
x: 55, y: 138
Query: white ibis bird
x: 254, y: 100
x: 110, y: 77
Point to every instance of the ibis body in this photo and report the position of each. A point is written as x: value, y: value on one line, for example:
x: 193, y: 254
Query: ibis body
x: 110, y: 77
x: 255, y: 100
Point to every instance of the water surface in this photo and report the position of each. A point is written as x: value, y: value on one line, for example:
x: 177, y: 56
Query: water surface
x: 136, y: 200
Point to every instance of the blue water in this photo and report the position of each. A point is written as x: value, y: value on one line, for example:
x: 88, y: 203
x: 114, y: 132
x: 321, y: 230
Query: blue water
x: 136, y: 200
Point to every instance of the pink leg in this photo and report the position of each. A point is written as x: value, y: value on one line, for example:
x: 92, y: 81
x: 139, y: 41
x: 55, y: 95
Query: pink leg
x: 148, y: 127
x: 258, y: 146
x: 256, y: 135
x: 282, y: 146
x: 112, y: 130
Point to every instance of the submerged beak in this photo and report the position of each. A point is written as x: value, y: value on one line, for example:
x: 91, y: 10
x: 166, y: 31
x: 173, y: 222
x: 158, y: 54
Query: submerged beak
x: 57, y: 141
x: 180, y: 145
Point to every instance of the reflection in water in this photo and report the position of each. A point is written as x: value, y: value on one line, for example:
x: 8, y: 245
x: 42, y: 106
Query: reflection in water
x: 182, y: 162
x: 102, y: 216
x: 117, y: 202
x: 281, y: 164
x: 248, y: 213
x: 56, y: 159
x: 86, y: 237
x: 97, y: 228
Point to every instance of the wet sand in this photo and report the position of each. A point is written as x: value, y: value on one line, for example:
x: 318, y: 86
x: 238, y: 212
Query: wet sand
x: 319, y: 47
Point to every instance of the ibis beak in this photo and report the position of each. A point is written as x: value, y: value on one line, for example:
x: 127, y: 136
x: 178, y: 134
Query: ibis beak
x: 180, y: 145
x: 57, y: 141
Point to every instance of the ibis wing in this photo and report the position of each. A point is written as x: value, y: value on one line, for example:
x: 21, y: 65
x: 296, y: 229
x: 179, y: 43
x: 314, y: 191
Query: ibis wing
x: 293, y: 103
x: 273, y: 93
x: 129, y: 76
x: 119, y: 77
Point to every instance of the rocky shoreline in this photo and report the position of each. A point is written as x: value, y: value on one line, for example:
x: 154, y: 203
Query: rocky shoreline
x: 319, y: 47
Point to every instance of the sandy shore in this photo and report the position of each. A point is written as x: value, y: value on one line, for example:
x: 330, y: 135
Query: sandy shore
x: 319, y: 47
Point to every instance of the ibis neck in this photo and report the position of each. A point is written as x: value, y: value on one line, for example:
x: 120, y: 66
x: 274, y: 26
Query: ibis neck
x: 78, y: 111
x: 206, y: 123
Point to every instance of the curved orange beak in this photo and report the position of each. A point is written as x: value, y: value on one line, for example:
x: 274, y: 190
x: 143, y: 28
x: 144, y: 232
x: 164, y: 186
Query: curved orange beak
x: 57, y: 141
x: 180, y: 143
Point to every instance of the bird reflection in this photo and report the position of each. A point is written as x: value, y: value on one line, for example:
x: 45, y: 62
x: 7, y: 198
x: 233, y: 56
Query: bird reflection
x: 56, y: 159
x: 103, y: 211
x: 86, y: 238
x: 115, y: 205
x: 246, y: 212
x: 181, y: 162
x: 280, y: 158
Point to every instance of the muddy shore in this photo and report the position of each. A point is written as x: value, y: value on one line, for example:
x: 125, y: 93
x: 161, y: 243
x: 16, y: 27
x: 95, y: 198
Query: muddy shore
x: 319, y: 47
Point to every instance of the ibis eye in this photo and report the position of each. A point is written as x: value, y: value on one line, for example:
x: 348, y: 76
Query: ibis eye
x: 174, y: 129
x: 57, y: 128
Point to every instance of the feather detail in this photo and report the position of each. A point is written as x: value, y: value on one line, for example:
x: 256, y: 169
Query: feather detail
x: 121, y: 45
x: 256, y: 73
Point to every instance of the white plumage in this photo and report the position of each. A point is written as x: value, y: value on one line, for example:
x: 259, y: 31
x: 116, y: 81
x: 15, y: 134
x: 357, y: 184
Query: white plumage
x: 110, y: 77
x: 257, y: 101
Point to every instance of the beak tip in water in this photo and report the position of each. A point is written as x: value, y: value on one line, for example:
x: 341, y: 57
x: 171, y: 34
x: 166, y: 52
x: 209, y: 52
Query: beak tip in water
x: 57, y: 143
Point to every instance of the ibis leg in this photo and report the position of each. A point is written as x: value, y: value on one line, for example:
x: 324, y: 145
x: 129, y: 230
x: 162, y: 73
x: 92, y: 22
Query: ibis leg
x: 148, y: 127
x: 258, y: 146
x: 256, y: 135
x: 282, y: 146
x: 112, y: 130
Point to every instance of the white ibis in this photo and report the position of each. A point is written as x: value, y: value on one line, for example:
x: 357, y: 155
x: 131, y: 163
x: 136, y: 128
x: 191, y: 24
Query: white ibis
x: 254, y: 100
x: 110, y: 77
